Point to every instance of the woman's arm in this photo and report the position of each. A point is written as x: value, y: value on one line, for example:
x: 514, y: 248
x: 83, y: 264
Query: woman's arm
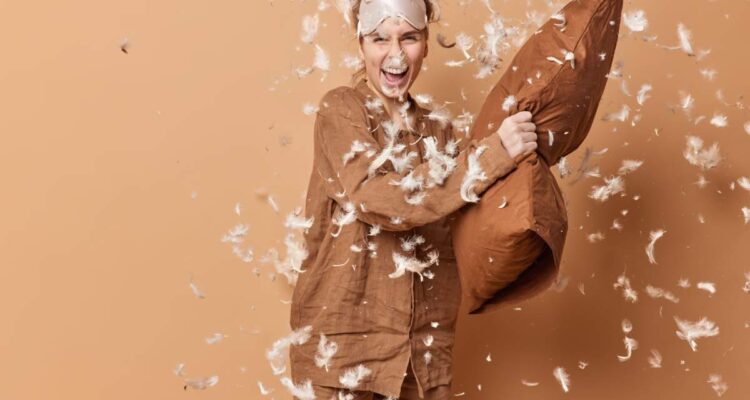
x: 377, y: 197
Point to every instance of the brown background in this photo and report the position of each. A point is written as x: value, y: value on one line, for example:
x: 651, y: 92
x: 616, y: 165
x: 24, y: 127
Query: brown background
x: 120, y: 173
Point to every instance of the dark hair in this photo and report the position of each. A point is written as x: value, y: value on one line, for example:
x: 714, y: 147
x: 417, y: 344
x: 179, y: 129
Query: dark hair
x: 433, y: 15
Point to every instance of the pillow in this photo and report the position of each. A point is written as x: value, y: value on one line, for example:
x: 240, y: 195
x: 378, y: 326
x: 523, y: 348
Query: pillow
x: 508, y: 245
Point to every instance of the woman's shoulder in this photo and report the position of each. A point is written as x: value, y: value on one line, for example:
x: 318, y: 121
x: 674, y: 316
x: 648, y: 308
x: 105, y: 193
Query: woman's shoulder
x: 341, y: 100
x: 340, y: 94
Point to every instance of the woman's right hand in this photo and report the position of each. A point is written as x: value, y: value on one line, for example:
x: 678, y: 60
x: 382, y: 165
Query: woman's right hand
x: 518, y: 134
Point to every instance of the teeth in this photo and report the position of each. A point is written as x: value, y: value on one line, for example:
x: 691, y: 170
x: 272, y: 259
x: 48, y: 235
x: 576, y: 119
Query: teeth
x: 395, y: 71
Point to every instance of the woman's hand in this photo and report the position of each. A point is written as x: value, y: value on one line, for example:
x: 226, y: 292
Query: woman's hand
x: 518, y: 134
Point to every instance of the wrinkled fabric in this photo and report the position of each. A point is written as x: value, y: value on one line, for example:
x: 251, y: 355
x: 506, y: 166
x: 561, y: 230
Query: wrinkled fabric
x: 510, y: 254
x: 409, y: 391
x: 345, y: 291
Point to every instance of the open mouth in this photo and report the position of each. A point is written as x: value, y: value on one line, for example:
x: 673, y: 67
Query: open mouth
x: 394, y: 79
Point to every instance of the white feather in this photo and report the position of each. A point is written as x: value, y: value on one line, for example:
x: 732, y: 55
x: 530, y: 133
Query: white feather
x: 562, y: 377
x: 654, y: 235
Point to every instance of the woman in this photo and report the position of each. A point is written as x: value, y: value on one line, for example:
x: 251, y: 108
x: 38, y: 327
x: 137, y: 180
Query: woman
x: 380, y: 280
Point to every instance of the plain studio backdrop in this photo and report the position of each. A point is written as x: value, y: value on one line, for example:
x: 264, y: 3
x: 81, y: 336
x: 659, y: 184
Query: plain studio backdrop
x: 122, y: 170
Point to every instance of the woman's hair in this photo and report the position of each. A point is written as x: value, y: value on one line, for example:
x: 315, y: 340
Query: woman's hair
x: 433, y: 15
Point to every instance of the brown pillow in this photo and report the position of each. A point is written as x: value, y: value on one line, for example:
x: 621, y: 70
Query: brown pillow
x: 511, y: 253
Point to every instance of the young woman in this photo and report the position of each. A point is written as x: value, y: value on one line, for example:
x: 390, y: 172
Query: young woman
x: 380, y: 280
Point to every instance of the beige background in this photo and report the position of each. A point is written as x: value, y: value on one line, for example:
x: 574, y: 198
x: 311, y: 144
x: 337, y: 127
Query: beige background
x: 120, y: 174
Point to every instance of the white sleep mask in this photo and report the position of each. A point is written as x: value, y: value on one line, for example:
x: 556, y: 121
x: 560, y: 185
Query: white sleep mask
x: 373, y: 12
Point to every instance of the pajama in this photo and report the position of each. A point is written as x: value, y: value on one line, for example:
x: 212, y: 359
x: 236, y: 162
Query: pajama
x: 345, y: 292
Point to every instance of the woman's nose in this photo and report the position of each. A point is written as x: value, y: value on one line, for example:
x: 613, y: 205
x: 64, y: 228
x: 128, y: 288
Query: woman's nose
x: 395, y: 48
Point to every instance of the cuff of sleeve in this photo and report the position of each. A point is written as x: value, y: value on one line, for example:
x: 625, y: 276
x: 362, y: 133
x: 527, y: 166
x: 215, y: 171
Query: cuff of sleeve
x: 495, y: 160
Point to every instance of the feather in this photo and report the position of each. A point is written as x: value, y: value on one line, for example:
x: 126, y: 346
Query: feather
x: 621, y: 115
x: 656, y: 293
x: 690, y: 331
x: 351, y: 378
x: 295, y: 221
x: 642, y: 95
x: 441, y: 115
x: 409, y: 183
x: 717, y: 384
x: 627, y: 326
x: 696, y: 155
x: 710, y: 287
x: 302, y: 391
x: 416, y: 199
x: 310, y: 24
x: 443, y: 42
x: 309, y: 109
x: 124, y: 45
x: 635, y: 21
x: 322, y: 62
x: 614, y: 185
x: 559, y: 16
x: 629, y: 166
x: 427, y: 357
x: 276, y: 355
x: 474, y: 174
x: 655, y: 360
x: 465, y: 43
x: 562, y: 377
x: 412, y: 264
x: 410, y: 244
x: 194, y: 288
x: 719, y: 120
x: 263, y: 390
x: 509, y: 102
x: 350, y: 61
x: 215, y: 338
x: 562, y: 167
x: 202, y: 383
x: 630, y: 345
x: 628, y: 292
x: 423, y: 99
x: 296, y: 253
x: 685, y: 39
x: 654, y: 235
x: 326, y: 350
x: 348, y: 217
x: 441, y: 165
x: 344, y: 7
x: 708, y: 73
x: 357, y: 147
x: 179, y: 369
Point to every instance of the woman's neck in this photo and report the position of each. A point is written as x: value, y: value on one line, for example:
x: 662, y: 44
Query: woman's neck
x: 392, y: 106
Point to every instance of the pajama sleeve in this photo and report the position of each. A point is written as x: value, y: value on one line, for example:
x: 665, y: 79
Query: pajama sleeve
x: 341, y: 128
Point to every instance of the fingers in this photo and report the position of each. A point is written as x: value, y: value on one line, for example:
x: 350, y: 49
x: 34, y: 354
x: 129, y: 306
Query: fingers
x: 527, y: 126
x: 521, y: 116
x: 529, y: 147
x: 529, y: 136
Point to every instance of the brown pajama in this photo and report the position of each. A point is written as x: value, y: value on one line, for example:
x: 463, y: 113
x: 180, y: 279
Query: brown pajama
x: 349, y: 290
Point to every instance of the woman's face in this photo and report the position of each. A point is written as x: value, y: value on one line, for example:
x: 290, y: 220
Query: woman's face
x: 393, y: 56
